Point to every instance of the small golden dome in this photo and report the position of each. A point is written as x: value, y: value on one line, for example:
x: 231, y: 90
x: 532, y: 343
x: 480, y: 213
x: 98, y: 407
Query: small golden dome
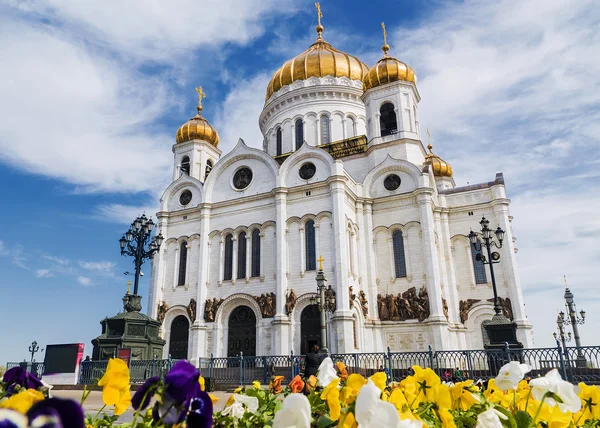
x: 319, y: 60
x: 439, y: 166
x: 388, y: 69
x: 198, y: 128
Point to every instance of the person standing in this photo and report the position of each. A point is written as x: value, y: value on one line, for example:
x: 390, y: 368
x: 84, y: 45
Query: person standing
x: 313, y: 360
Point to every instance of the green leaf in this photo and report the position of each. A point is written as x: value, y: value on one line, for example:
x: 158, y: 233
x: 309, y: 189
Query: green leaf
x: 522, y: 419
x: 324, y: 422
x: 510, y: 421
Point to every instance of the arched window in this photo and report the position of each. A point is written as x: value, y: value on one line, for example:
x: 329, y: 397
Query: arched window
x: 399, y: 259
x: 279, y: 141
x: 387, y: 119
x: 185, y: 165
x: 325, y: 134
x: 256, y: 253
x: 299, y: 133
x: 178, y: 343
x: 241, y: 256
x: 311, y: 253
x: 209, y: 167
x: 228, y: 259
x: 350, y: 126
x: 182, y: 263
x: 478, y: 267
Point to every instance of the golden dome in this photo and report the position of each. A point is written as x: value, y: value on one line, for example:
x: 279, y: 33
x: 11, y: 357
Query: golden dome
x: 198, y: 128
x: 319, y: 60
x: 388, y: 69
x: 439, y: 166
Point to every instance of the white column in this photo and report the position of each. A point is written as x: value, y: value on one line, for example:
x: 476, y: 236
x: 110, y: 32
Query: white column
x: 451, y: 291
x: 371, y: 260
x: 281, y: 322
x: 344, y: 133
x: 235, y: 260
x: 377, y: 125
x: 153, y: 292
x: 302, y: 232
x: 262, y: 255
x: 469, y: 256
x: 248, y: 258
x: 221, y: 260
x: 317, y: 239
x: 176, y: 266
x: 436, y: 317
x: 407, y: 255
x: 392, y: 258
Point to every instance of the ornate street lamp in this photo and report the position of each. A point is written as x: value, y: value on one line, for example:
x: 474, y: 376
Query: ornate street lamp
x: 137, y: 243
x: 33, y: 349
x: 573, y: 320
x: 326, y: 302
x: 564, y: 338
x: 500, y: 329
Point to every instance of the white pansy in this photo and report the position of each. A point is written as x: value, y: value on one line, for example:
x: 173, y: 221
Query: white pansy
x: 294, y: 414
x: 372, y: 412
x: 12, y: 418
x: 552, y: 382
x: 251, y: 403
x: 490, y: 419
x: 409, y: 423
x: 327, y: 373
x: 236, y: 410
x: 511, y: 374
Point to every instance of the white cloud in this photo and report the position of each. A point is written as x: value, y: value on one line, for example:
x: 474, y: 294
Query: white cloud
x: 103, y: 268
x: 124, y: 214
x: 85, y: 281
x: 3, y: 249
x: 58, y: 260
x: 43, y: 273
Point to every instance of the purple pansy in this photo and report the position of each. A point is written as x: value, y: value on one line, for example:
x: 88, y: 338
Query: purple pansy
x: 12, y: 419
x: 18, y: 375
x: 141, y: 398
x: 56, y: 413
x: 201, y: 412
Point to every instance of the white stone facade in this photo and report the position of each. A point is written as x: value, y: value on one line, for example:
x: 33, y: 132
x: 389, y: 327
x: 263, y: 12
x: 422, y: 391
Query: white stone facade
x: 354, y: 217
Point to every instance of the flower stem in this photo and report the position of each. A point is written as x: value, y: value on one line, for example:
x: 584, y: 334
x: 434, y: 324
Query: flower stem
x: 538, y: 411
x: 137, y: 412
x: 97, y: 414
x: 527, y: 401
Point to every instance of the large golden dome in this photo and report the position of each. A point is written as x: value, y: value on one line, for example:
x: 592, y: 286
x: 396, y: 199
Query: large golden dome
x: 198, y: 128
x: 439, y: 166
x: 388, y: 69
x: 319, y: 60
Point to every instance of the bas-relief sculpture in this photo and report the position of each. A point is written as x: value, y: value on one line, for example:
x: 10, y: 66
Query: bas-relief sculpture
x: 266, y: 302
x: 464, y: 306
x: 162, y: 311
x: 506, y: 306
x: 352, y: 297
x: 290, y: 302
x: 364, y: 304
x: 191, y: 309
x: 404, y: 306
x: 210, y: 309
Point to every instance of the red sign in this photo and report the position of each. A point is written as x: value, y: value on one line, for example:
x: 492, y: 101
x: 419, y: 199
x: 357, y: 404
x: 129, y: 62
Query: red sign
x: 125, y: 355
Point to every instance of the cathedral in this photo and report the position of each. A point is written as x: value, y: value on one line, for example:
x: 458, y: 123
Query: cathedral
x: 343, y: 180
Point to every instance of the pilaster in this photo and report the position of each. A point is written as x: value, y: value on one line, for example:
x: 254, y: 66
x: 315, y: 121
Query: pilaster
x: 281, y: 322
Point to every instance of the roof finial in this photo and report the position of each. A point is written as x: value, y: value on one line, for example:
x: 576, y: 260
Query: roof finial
x: 320, y: 260
x: 565, y: 278
x: 385, y: 48
x: 201, y: 95
x: 429, y: 146
x: 320, y: 28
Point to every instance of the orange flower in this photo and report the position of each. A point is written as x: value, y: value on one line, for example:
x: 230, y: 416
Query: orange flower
x: 342, y: 370
x: 297, y: 384
x: 311, y: 383
x: 276, y: 384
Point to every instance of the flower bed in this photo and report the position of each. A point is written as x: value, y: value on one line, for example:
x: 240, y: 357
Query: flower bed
x: 332, y: 398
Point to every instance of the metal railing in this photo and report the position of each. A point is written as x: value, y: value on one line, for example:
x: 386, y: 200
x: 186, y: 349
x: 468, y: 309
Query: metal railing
x: 36, y: 369
x: 574, y: 364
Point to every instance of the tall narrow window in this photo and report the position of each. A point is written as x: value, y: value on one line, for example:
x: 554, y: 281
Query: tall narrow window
x: 241, y: 256
x: 299, y: 133
x: 209, y: 167
x: 325, y: 134
x: 350, y: 126
x: 388, y: 120
x: 478, y: 267
x: 311, y: 253
x: 399, y: 259
x: 182, y: 263
x: 228, y: 259
x: 279, y: 142
x: 256, y: 253
x: 185, y: 165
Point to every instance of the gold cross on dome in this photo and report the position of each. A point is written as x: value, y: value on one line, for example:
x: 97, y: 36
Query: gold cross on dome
x: 429, y: 146
x: 201, y: 95
x: 319, y: 14
x: 320, y: 260
x: 384, y: 33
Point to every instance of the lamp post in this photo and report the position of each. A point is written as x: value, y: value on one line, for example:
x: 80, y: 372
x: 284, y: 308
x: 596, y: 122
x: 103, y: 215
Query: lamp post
x: 573, y: 320
x: 325, y: 301
x: 500, y: 329
x: 136, y: 243
x: 564, y: 338
x: 33, y: 348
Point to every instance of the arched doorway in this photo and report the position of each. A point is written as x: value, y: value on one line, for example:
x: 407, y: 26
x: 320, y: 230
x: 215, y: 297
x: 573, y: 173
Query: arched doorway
x: 310, y: 328
x: 178, y: 342
x: 242, y: 332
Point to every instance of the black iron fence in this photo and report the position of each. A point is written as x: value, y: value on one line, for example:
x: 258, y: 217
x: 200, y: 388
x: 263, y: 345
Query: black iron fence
x: 575, y: 365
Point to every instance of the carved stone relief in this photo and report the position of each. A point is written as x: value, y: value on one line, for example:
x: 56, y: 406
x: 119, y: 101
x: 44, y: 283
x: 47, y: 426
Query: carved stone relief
x: 464, y: 306
x: 210, y: 309
x: 404, y: 306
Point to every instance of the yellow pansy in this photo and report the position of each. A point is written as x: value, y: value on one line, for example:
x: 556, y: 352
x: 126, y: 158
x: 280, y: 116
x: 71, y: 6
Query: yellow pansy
x: 22, y: 401
x: 492, y: 393
x: 351, y: 389
x: 331, y: 394
x: 463, y: 395
x: 553, y: 417
x: 214, y: 398
x: 440, y: 394
x: 379, y: 379
x: 446, y: 418
x: 347, y: 420
x: 256, y: 385
x: 590, y: 402
x: 410, y: 388
x: 398, y: 399
x: 202, y: 383
x: 426, y: 379
x: 115, y: 385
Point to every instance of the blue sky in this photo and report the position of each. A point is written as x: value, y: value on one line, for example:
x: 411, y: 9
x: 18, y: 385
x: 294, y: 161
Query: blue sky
x: 91, y: 94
